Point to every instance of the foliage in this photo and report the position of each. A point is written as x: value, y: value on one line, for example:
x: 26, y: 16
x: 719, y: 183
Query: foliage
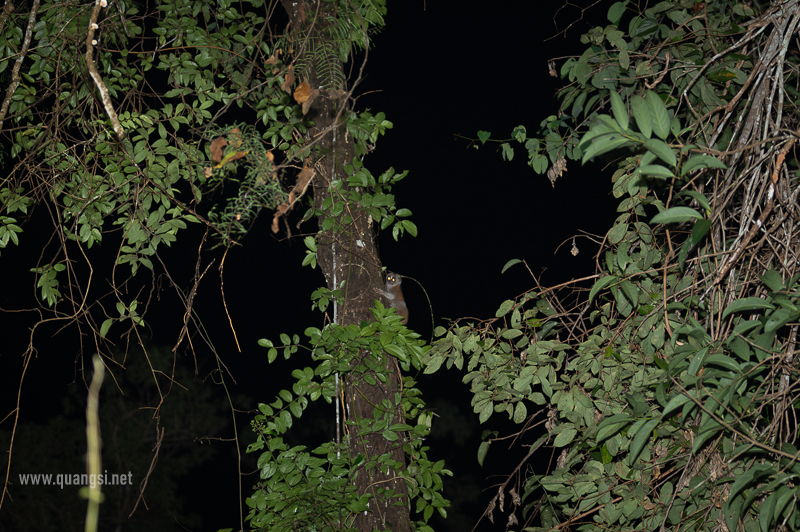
x: 111, y: 115
x: 315, y: 490
x: 667, y: 392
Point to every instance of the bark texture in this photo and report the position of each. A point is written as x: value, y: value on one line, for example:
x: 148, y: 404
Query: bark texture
x: 349, y: 256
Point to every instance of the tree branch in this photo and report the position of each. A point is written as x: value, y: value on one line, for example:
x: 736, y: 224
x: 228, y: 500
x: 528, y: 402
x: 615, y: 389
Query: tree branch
x: 98, y: 81
x: 21, y: 57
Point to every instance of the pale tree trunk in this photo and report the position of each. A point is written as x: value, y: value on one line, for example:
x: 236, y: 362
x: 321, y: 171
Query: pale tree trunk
x: 349, y: 256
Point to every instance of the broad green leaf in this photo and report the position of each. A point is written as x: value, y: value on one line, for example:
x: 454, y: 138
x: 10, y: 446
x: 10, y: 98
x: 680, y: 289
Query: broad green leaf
x: 676, y: 215
x: 104, y: 328
x: 642, y: 436
x: 747, y: 303
x: 604, y: 144
x: 565, y: 437
x: 504, y: 309
x: 659, y: 113
x: 732, y: 507
x: 662, y: 150
x: 599, y: 285
x: 773, y: 280
x: 677, y: 402
x: 700, y: 230
x: 610, y: 426
x: 482, y: 450
x: 618, y: 108
x: 615, y: 12
x: 520, y: 413
x: 698, y: 162
x: 701, y: 199
x: 642, y: 115
x: 656, y: 170
x: 483, y: 136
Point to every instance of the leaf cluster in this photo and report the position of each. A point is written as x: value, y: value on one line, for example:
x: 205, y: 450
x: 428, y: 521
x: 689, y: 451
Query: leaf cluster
x: 666, y: 394
x: 315, y: 489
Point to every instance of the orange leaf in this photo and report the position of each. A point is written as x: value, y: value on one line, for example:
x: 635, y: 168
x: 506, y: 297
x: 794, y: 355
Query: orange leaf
x: 217, y: 146
x: 302, y: 92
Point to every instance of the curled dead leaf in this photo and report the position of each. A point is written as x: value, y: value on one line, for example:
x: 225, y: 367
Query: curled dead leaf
x: 288, y: 80
x: 208, y: 171
x: 273, y: 59
x: 282, y: 209
x: 557, y: 170
x: 309, y: 101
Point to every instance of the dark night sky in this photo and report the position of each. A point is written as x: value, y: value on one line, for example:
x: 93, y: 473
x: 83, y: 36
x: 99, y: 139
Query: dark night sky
x: 439, y: 70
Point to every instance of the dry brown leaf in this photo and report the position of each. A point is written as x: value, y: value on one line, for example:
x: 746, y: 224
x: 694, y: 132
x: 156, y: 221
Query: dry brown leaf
x: 557, y: 170
x: 309, y: 101
x: 208, y: 171
x: 515, y: 497
x: 305, y: 175
x: 551, y: 67
x: 490, y: 509
x: 288, y: 80
x: 217, y: 147
x: 302, y: 92
x: 235, y: 137
x: 280, y: 211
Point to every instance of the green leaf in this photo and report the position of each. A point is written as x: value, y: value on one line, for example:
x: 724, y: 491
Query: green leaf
x: 520, y: 413
x: 700, y: 230
x: 482, y: 450
x: 615, y: 12
x: 603, y: 144
x: 483, y: 136
x: 697, y: 162
x: 701, y: 199
x: 676, y: 215
x: 610, y: 426
x: 599, y: 285
x: 486, y: 411
x: 662, y: 150
x: 747, y: 303
x: 677, y: 402
x: 104, y: 328
x: 659, y: 113
x: 565, y: 437
x: 509, y: 264
x: 641, y: 113
x: 773, y: 280
x: 656, y: 170
x: 732, y: 511
x: 618, y: 108
x: 504, y: 308
x: 642, y: 435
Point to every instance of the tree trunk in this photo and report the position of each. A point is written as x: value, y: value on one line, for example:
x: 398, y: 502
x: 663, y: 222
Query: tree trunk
x: 348, y: 255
